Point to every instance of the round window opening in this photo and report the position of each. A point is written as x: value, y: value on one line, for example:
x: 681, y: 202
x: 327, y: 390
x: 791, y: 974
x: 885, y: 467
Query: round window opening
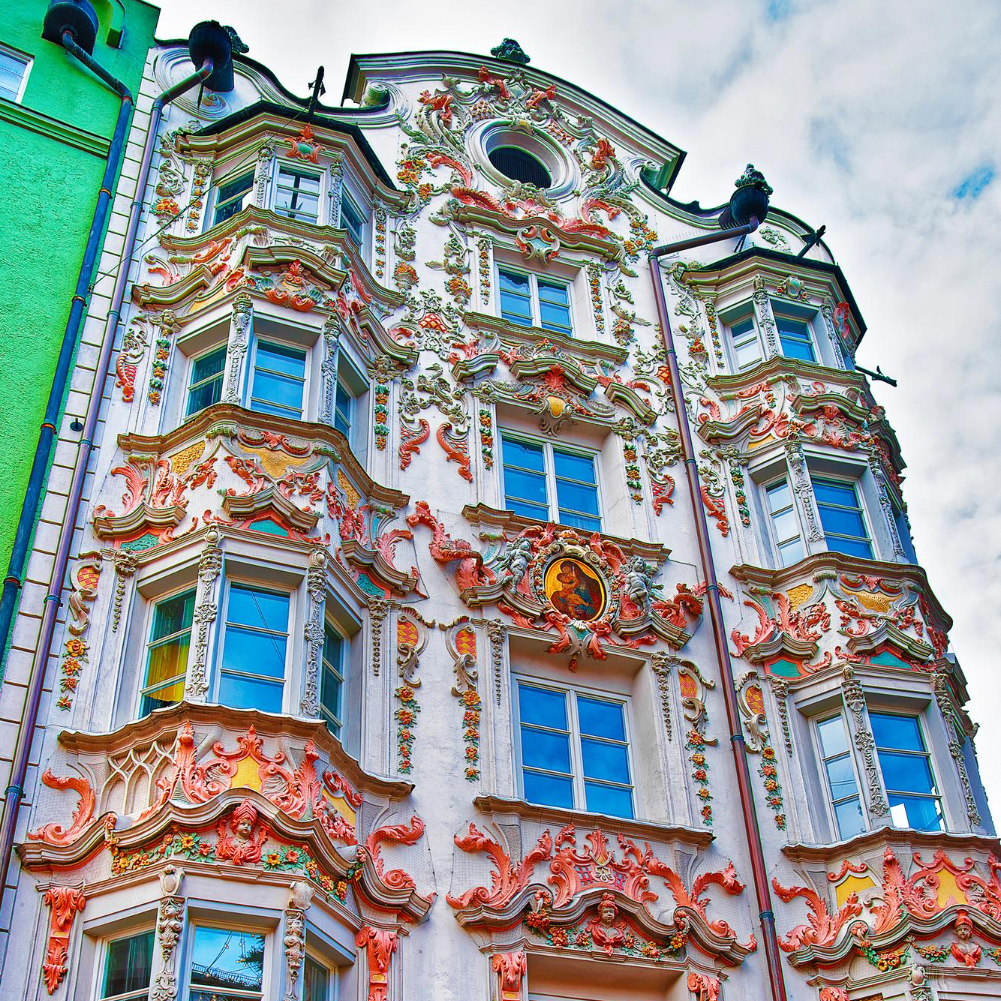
x: 520, y: 165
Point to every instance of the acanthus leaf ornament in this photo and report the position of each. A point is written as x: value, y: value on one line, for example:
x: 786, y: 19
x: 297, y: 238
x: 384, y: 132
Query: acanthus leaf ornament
x: 64, y: 902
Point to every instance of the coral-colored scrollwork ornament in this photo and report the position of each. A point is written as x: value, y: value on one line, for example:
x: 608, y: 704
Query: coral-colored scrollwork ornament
x: 510, y: 968
x: 704, y: 987
x: 63, y: 903
x: 833, y: 994
x: 379, y: 944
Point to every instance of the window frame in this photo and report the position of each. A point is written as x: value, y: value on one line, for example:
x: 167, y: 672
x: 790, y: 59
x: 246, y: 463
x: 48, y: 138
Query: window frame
x: 552, y: 498
x: 348, y: 198
x: 534, y: 299
x: 822, y: 758
x: 782, y: 310
x: 855, y: 482
x: 740, y: 314
x: 770, y: 517
x: 333, y: 972
x: 101, y: 963
x: 242, y: 580
x: 340, y: 671
x: 295, y: 169
x: 188, y: 386
x: 28, y: 61
x: 576, y: 753
x: 147, y: 625
x: 218, y: 184
x: 219, y: 921
x: 281, y: 342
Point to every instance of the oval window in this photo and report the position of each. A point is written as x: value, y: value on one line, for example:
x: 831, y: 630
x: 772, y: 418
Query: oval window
x: 520, y: 165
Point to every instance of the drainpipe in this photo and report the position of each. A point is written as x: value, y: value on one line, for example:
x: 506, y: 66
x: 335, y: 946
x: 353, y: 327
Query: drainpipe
x: 43, y: 450
x: 209, y: 47
x: 749, y: 202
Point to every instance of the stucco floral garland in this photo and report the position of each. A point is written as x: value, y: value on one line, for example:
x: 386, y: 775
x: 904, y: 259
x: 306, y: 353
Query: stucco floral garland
x: 578, y: 937
x: 697, y: 746
x: 472, y: 706
x: 773, y: 791
x: 406, y: 718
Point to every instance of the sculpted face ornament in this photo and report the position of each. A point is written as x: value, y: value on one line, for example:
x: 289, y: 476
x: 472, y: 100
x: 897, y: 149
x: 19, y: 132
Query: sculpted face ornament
x: 574, y: 589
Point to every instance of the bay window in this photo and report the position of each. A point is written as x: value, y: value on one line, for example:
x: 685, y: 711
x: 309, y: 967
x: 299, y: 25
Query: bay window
x: 574, y: 750
x: 167, y: 652
x: 128, y: 965
x: 254, y: 648
x: 744, y: 341
x: 550, y: 482
x: 795, y: 336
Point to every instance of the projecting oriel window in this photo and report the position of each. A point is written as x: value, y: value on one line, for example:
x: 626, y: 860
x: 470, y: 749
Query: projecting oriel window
x: 841, y: 517
x: 252, y: 674
x: 574, y: 750
x: 551, y: 483
x: 167, y: 652
x: 128, y: 965
x: 297, y: 194
x: 205, y: 383
x: 529, y: 300
x: 232, y: 196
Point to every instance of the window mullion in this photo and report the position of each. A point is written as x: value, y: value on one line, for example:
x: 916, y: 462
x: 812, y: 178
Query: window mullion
x: 552, y: 496
x: 576, y: 753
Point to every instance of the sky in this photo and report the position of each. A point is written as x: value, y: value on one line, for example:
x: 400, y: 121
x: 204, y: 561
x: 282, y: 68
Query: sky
x: 880, y: 120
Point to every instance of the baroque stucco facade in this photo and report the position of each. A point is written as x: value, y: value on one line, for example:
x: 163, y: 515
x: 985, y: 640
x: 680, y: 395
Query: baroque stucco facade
x: 403, y: 855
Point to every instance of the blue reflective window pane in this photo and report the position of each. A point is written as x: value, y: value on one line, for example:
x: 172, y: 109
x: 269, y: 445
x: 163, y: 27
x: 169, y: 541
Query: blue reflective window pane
x: 833, y: 737
x: 850, y: 819
x: 850, y: 547
x: 514, y: 281
x: 518, y: 453
x: 605, y: 761
x: 742, y: 327
x: 250, y: 693
x: 841, y: 522
x: 779, y: 496
x: 524, y: 486
x: 600, y: 719
x: 797, y: 349
x: 791, y: 552
x: 574, y: 467
x: 279, y: 358
x: 841, y: 775
x: 172, y: 615
x: 906, y: 772
x: 921, y: 814
x: 229, y: 959
x: 832, y: 492
x: 547, y: 790
x: 553, y: 316
x: 553, y: 292
x: 263, y: 609
x: 608, y: 799
x: 279, y: 392
x: 545, y: 750
x: 208, y: 365
x: 577, y: 498
x: 253, y: 652
x: 543, y: 707
x: 588, y: 524
x: 901, y: 733
x: 540, y: 512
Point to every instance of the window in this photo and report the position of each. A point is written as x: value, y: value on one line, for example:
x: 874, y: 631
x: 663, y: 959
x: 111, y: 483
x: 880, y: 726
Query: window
x: 352, y: 220
x: 128, y: 967
x: 297, y: 194
x: 253, y: 656
x: 795, y: 337
x: 528, y: 300
x: 332, y: 679
x: 520, y: 165
x: 785, y: 523
x: 230, y: 964
x: 343, y: 409
x: 904, y: 533
x: 232, y: 197
x: 574, y: 751
x: 205, y: 385
x: 842, y: 784
x: 744, y: 341
x: 167, y: 652
x: 13, y: 73
x: 279, y: 379
x: 841, y: 517
x: 904, y: 762
x: 317, y: 981
x: 547, y: 482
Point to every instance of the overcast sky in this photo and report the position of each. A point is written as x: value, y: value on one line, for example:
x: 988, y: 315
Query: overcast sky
x: 882, y: 120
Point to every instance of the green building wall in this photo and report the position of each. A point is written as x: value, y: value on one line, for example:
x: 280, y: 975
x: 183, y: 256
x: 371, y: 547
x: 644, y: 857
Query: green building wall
x: 53, y: 148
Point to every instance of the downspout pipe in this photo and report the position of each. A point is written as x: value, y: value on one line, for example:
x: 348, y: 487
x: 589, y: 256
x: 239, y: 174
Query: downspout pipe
x: 78, y: 305
x: 747, y: 806
x: 36, y: 681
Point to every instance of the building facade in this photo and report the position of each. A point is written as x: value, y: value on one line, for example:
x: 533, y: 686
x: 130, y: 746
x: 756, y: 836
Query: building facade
x: 472, y: 600
x: 57, y: 122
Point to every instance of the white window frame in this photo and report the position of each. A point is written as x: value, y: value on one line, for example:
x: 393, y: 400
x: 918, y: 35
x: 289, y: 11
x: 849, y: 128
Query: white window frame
x: 291, y: 645
x: 213, y: 199
x: 101, y: 957
x: 28, y: 61
x: 765, y: 486
x: 307, y: 388
x: 855, y: 479
x: 549, y: 466
x: 860, y: 784
x: 347, y: 195
x: 794, y: 311
x: 192, y: 360
x: 332, y: 969
x: 294, y: 167
x: 738, y: 314
x: 573, y: 723
x: 533, y: 279
x: 224, y: 921
x: 147, y: 626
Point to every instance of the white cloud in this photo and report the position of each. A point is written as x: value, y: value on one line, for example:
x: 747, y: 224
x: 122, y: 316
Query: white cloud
x: 866, y: 117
